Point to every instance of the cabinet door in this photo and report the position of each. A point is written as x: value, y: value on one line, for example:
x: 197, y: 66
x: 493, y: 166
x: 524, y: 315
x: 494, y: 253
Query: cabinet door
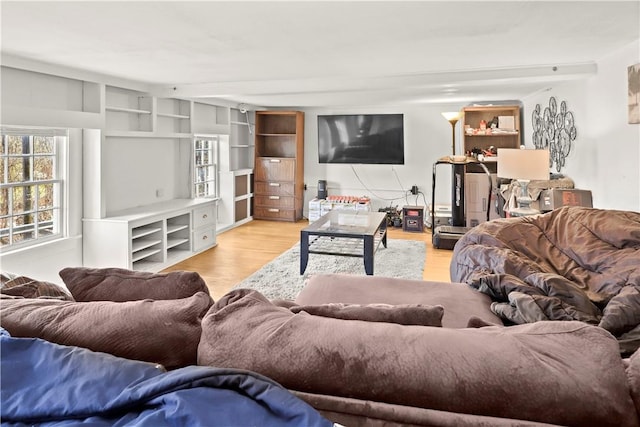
x: 204, y: 216
x: 275, y: 169
x: 204, y: 238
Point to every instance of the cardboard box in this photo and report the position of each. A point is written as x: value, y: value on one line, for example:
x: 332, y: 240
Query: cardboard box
x: 315, y: 204
x: 476, y: 191
x: 557, y: 197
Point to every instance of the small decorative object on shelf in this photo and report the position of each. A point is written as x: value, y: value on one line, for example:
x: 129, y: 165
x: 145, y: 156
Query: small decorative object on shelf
x: 554, y: 130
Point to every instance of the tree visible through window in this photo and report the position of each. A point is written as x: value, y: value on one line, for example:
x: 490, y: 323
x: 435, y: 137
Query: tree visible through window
x: 30, y: 188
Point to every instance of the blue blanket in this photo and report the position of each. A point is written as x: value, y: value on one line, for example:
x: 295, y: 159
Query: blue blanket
x: 49, y: 384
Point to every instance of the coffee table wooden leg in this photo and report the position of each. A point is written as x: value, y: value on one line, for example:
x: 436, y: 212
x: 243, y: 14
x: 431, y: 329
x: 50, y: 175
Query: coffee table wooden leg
x: 368, y: 255
x: 304, y: 252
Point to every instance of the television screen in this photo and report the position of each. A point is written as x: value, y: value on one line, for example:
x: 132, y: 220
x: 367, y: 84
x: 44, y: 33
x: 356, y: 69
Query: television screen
x: 361, y: 138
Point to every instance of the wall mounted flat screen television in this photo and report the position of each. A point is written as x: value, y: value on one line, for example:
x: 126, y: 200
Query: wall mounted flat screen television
x: 361, y: 138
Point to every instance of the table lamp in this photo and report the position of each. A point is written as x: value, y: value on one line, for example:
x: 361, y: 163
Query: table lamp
x: 523, y: 165
x: 453, y: 117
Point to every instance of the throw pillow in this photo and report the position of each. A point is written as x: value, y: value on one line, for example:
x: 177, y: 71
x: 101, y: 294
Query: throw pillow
x: 26, y: 287
x: 118, y: 284
x: 163, y: 332
x: 537, y: 372
x: 405, y: 314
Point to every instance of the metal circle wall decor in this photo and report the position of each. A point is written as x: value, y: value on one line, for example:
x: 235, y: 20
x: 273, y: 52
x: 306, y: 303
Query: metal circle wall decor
x: 554, y: 130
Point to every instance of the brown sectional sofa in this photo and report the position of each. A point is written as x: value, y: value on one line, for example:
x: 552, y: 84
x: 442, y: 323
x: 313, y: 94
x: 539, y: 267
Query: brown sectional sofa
x: 470, y: 371
x: 548, y: 372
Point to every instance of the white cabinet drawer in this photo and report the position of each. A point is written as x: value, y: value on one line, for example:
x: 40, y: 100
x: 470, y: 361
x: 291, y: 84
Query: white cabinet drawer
x: 204, y: 216
x: 204, y: 238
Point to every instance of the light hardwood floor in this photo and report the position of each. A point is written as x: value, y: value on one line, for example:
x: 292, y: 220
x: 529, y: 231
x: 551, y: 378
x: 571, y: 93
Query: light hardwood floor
x: 243, y: 250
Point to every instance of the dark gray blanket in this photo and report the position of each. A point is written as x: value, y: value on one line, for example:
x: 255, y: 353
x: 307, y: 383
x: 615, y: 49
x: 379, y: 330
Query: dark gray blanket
x: 573, y: 263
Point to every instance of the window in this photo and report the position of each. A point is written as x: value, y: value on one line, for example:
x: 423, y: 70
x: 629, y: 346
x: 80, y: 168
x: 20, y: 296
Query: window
x: 205, y: 162
x: 30, y: 186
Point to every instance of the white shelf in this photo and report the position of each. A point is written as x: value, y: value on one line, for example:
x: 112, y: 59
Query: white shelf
x: 173, y: 116
x: 144, y: 134
x: 244, y: 197
x: 127, y: 110
x: 143, y: 231
x: 171, y: 243
x: 178, y: 227
x: 141, y: 244
x: 146, y: 265
x: 145, y: 254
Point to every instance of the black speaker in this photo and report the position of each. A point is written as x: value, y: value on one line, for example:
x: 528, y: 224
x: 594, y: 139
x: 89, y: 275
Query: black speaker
x: 322, y: 189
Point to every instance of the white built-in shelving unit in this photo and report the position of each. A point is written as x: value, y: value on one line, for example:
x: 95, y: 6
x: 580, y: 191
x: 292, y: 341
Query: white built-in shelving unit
x: 137, y: 207
x: 145, y: 217
x: 236, y: 171
x: 152, y: 237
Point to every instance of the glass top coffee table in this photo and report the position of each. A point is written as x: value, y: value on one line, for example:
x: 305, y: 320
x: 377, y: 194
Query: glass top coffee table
x: 344, y: 233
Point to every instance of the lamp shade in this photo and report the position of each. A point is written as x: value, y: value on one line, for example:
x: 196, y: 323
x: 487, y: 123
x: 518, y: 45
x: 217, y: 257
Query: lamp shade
x: 452, y: 116
x: 523, y: 164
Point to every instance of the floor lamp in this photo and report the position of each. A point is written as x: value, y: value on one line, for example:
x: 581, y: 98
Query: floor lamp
x: 457, y: 170
x: 523, y: 166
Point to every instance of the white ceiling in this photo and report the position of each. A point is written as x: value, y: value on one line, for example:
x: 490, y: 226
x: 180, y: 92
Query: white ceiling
x: 321, y: 53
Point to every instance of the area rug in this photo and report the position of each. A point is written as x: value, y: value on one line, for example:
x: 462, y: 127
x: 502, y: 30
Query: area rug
x: 281, y: 279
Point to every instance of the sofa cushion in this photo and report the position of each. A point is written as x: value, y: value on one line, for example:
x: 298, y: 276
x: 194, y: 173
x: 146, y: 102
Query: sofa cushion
x: 404, y: 314
x: 460, y: 302
x: 539, y: 372
x: 26, y: 287
x: 164, y: 332
x: 118, y: 284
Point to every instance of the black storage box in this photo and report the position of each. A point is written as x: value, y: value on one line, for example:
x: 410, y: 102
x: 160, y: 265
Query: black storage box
x: 413, y: 218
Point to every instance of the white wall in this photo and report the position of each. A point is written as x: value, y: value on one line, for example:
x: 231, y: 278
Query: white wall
x: 427, y: 137
x: 139, y: 167
x: 604, y: 158
x: 606, y: 152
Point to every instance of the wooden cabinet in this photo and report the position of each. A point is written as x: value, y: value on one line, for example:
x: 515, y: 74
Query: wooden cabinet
x: 507, y: 135
x: 279, y: 165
